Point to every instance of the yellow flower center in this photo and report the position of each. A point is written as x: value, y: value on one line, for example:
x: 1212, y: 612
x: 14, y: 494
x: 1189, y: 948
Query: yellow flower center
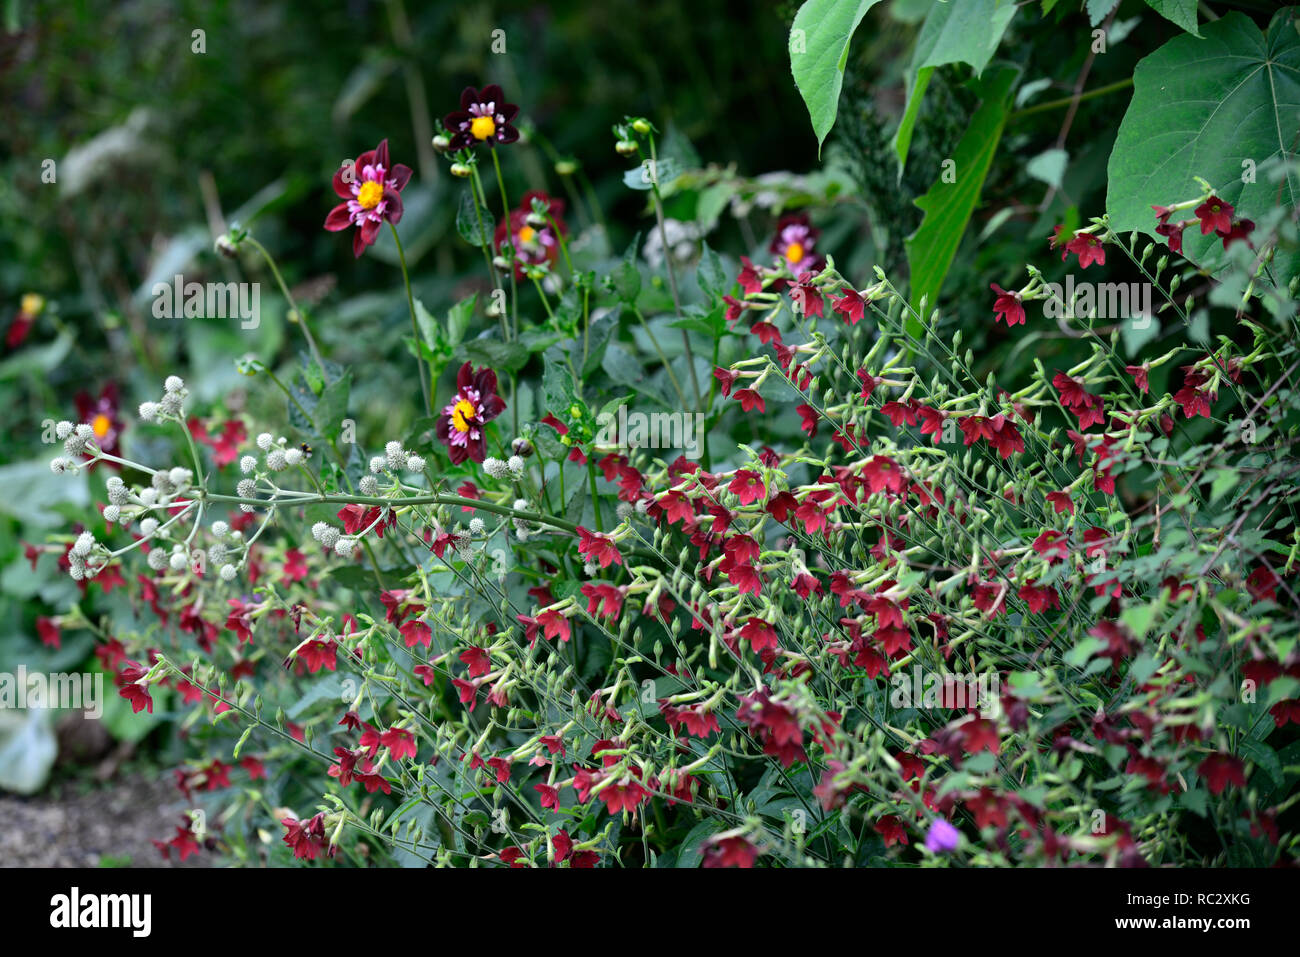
x: 481, y: 127
x: 460, y: 415
x: 32, y: 304
x: 794, y: 252
x: 370, y: 194
x: 101, y: 424
x: 526, y: 234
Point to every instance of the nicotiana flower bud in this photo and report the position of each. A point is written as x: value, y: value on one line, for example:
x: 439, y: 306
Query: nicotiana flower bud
x: 494, y: 467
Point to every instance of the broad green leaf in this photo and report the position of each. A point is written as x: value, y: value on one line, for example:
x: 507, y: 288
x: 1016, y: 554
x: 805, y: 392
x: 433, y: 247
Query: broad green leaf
x: 948, y: 206
x: 1219, y: 108
x: 966, y: 32
x: 475, y: 229
x: 1181, y: 12
x: 819, y: 51
x: 458, y: 319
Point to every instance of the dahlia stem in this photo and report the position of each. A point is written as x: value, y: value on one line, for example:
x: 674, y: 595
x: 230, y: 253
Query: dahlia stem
x: 505, y: 215
x: 415, y: 326
x: 668, y: 263
x: 293, y: 305
x: 480, y: 202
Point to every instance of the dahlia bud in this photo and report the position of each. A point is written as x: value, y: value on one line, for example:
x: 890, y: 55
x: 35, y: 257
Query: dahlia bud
x: 521, y: 447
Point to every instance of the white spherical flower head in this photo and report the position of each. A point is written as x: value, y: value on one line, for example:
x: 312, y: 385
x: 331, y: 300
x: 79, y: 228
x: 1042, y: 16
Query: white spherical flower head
x: 174, y: 383
x: 177, y: 561
x: 84, y: 543
x: 516, y: 465
x: 112, y: 513
x: 264, y: 441
x: 476, y: 527
x: 148, y: 411
x: 293, y: 456
x: 63, y: 430
x: 157, y: 559
x: 248, y: 464
x: 318, y: 530
x: 396, y: 455
x: 60, y: 465
x: 369, y: 485
x: 414, y: 463
x: 345, y: 546
x: 276, y: 460
x: 148, y: 527
x: 180, y: 477
x: 227, y: 573
x: 494, y: 467
x: 377, y: 464
x: 220, y: 529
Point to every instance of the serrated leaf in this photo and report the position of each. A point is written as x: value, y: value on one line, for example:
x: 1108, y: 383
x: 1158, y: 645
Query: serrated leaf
x: 1181, y: 12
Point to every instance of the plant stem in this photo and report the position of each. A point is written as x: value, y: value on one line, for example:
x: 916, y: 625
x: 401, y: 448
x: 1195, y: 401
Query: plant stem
x: 415, y: 325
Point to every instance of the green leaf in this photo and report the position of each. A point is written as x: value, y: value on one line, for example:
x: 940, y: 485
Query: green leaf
x: 332, y: 408
x: 1181, y: 12
x: 458, y: 320
x: 710, y: 274
x: 966, y: 32
x: 819, y: 51
x: 475, y: 229
x: 1098, y: 10
x: 498, y: 355
x: 626, y: 277
x: 1210, y: 108
x: 428, y: 326
x: 948, y: 206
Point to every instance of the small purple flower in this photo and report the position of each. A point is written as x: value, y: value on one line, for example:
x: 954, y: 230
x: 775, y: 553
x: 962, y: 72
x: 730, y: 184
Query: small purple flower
x: 942, y: 837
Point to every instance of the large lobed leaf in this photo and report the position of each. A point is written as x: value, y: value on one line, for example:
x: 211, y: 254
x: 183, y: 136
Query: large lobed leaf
x: 1203, y: 107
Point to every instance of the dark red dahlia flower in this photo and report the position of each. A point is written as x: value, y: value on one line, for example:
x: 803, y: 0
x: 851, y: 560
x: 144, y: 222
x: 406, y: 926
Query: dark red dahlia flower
x: 484, y: 117
x: 795, y: 242
x: 371, y: 193
x: 476, y: 403
x: 531, y: 234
